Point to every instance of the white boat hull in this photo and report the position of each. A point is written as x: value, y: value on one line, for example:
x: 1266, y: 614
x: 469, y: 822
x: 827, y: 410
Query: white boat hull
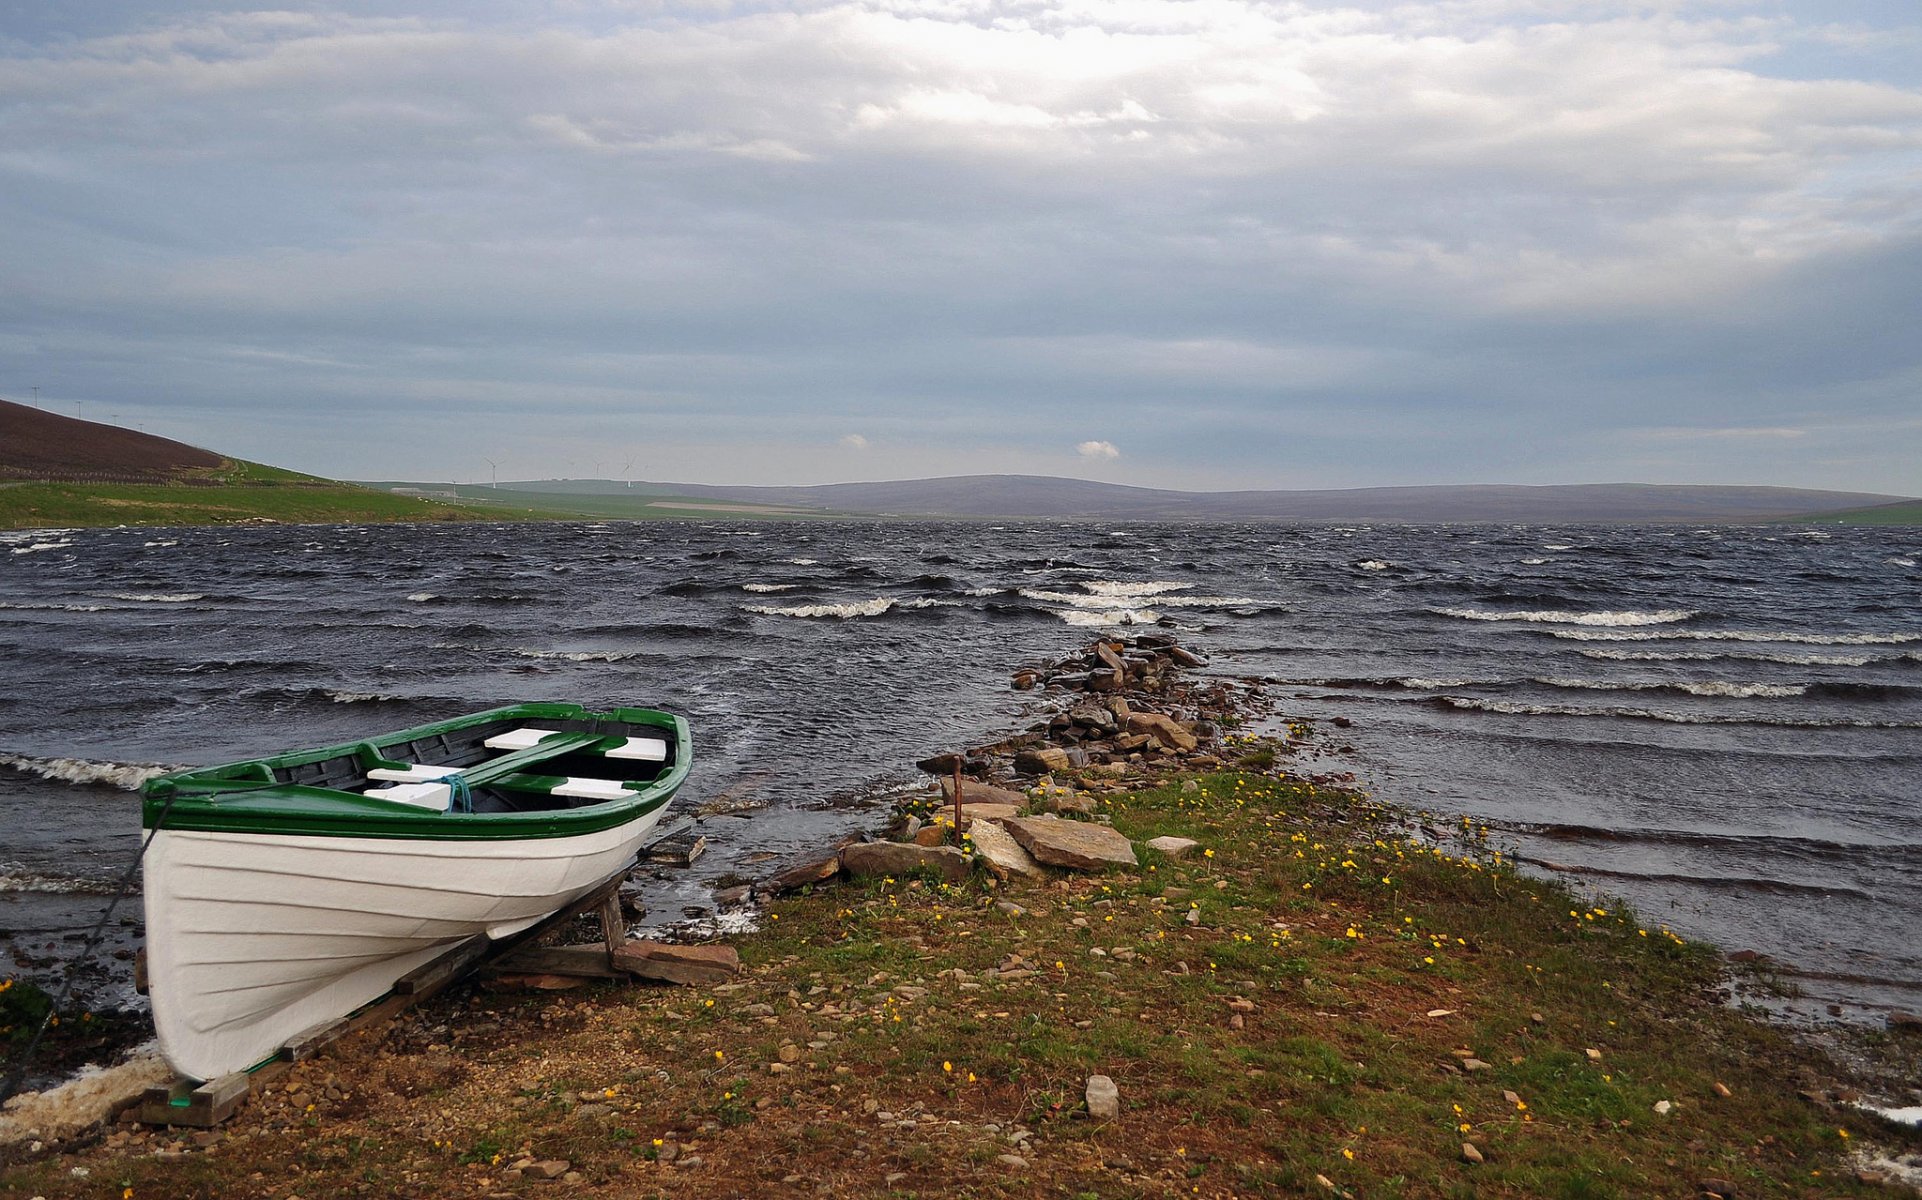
x: 255, y: 938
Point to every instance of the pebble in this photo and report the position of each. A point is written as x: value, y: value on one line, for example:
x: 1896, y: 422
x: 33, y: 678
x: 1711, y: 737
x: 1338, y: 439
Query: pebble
x: 1013, y: 1162
x: 1104, y: 1099
x: 1470, y: 1153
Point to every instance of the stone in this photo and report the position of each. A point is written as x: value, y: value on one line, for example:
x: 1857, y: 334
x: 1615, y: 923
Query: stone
x: 941, y: 764
x: 1014, y: 1162
x: 1475, y: 1064
x: 1173, y: 847
x: 814, y: 870
x: 972, y: 812
x: 932, y: 835
x: 1723, y: 1188
x: 973, y: 793
x: 1004, y: 856
x: 1471, y: 1154
x: 1163, y: 729
x: 1076, y: 844
x: 1062, y: 800
x: 1108, y: 658
x: 552, y: 1168
x: 1594, y: 1055
x: 1041, y: 761
x: 667, y: 963
x: 1104, y: 1099
x: 1663, y: 1108
x: 1721, y: 1089
x: 892, y: 858
x: 1906, y: 1021
x: 790, y: 1053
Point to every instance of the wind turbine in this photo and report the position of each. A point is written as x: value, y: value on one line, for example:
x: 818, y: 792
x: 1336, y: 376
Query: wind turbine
x: 625, y: 468
x: 494, y: 471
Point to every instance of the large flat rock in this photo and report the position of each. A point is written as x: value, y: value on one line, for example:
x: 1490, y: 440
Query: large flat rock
x: 982, y: 793
x: 1002, y: 854
x: 1075, y: 844
x: 901, y: 858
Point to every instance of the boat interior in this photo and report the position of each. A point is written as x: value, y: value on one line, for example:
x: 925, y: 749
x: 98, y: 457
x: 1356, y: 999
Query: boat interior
x: 511, y: 765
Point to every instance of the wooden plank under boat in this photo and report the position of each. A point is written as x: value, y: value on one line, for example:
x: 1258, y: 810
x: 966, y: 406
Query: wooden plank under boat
x: 283, y: 892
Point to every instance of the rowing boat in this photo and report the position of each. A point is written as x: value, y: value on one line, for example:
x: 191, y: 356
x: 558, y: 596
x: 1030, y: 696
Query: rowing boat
x: 285, y: 892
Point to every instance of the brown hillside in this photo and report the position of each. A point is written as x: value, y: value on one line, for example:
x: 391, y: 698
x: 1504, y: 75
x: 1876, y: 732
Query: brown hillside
x: 35, y: 444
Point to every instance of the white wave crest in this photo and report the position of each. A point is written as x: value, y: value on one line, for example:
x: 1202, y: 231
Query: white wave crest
x: 151, y: 545
x: 1533, y: 562
x: 1558, y: 546
x: 1662, y: 616
x: 1742, y: 690
x: 805, y: 562
x: 932, y: 602
x: 843, y: 612
x: 156, y: 597
x: 422, y: 597
x: 982, y: 591
x: 56, y: 607
x: 580, y: 655
x: 343, y: 696
x: 1104, y: 602
x: 1114, y: 588
x: 16, y: 880
x: 126, y: 776
x: 1373, y: 564
x: 1103, y: 620
x: 1650, y: 714
x: 41, y: 547
x: 769, y: 587
x: 1792, y: 660
x: 1899, y: 562
x: 1742, y: 635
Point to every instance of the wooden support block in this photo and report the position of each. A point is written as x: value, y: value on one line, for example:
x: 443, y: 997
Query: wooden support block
x: 140, y: 971
x: 613, y: 923
x: 309, y: 1042
x: 432, y: 976
x: 587, y: 962
x: 677, y: 852
x: 200, y: 1106
x: 666, y: 963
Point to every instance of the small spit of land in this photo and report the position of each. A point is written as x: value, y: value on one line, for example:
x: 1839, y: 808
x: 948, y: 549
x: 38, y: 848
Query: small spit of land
x: 1321, y: 997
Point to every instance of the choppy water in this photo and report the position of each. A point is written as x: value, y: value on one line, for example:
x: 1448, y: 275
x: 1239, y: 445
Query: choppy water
x: 1724, y: 725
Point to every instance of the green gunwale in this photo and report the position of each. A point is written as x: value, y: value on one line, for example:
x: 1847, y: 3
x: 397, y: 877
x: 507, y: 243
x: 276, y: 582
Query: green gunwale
x: 238, y: 797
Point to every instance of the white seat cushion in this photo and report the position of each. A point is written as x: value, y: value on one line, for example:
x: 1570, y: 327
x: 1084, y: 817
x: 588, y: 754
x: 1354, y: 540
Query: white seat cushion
x: 593, y: 789
x: 416, y: 773
x: 644, y: 749
x: 524, y: 738
x: 436, y: 796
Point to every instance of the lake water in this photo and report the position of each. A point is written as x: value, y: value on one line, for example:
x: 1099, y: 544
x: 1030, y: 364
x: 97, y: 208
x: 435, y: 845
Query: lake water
x: 1723, y: 725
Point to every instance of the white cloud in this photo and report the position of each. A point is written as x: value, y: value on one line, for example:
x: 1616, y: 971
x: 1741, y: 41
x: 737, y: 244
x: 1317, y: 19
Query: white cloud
x: 1098, y: 451
x: 945, y: 218
x: 854, y: 441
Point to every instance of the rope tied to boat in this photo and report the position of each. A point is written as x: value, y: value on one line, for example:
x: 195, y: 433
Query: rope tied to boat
x: 462, y: 797
x: 19, y: 1076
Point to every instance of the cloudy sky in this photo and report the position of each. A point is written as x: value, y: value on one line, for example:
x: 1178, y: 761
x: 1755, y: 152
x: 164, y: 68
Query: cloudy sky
x: 1203, y: 244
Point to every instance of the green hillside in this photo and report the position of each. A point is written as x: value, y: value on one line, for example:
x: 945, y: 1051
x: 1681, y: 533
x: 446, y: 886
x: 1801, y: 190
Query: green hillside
x: 1907, y: 513
x: 247, y: 492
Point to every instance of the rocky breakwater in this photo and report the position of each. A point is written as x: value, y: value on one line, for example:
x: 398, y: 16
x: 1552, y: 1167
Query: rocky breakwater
x: 1111, y: 717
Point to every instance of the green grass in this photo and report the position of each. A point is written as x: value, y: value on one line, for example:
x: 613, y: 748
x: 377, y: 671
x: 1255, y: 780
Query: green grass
x: 1312, y: 1024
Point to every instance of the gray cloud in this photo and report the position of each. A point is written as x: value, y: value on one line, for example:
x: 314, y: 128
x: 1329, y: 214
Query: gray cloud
x: 1259, y: 245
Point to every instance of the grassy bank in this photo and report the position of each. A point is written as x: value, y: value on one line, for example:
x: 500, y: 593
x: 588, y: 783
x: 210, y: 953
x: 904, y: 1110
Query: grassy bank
x: 1309, y: 1004
x: 247, y: 492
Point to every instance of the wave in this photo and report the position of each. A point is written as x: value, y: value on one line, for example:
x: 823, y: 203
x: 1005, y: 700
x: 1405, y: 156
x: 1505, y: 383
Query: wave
x: 1763, y: 843
x: 41, y: 547
x: 13, y: 879
x: 1517, y: 708
x: 1899, y: 562
x: 1740, y: 635
x: 582, y: 655
x: 422, y: 598
x: 1091, y: 619
x: 155, y: 597
x: 1110, y: 587
x: 152, y: 545
x: 1708, y: 688
x: 1791, y: 660
x: 769, y: 587
x: 1106, y: 600
x: 1661, y: 616
x: 843, y: 612
x: 1372, y: 564
x: 86, y: 772
x: 1715, y: 688
x: 1729, y: 882
x: 805, y: 562
x: 29, y: 607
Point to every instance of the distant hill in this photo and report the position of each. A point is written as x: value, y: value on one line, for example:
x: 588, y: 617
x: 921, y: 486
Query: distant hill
x: 1010, y: 496
x: 36, y: 444
x: 60, y: 471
